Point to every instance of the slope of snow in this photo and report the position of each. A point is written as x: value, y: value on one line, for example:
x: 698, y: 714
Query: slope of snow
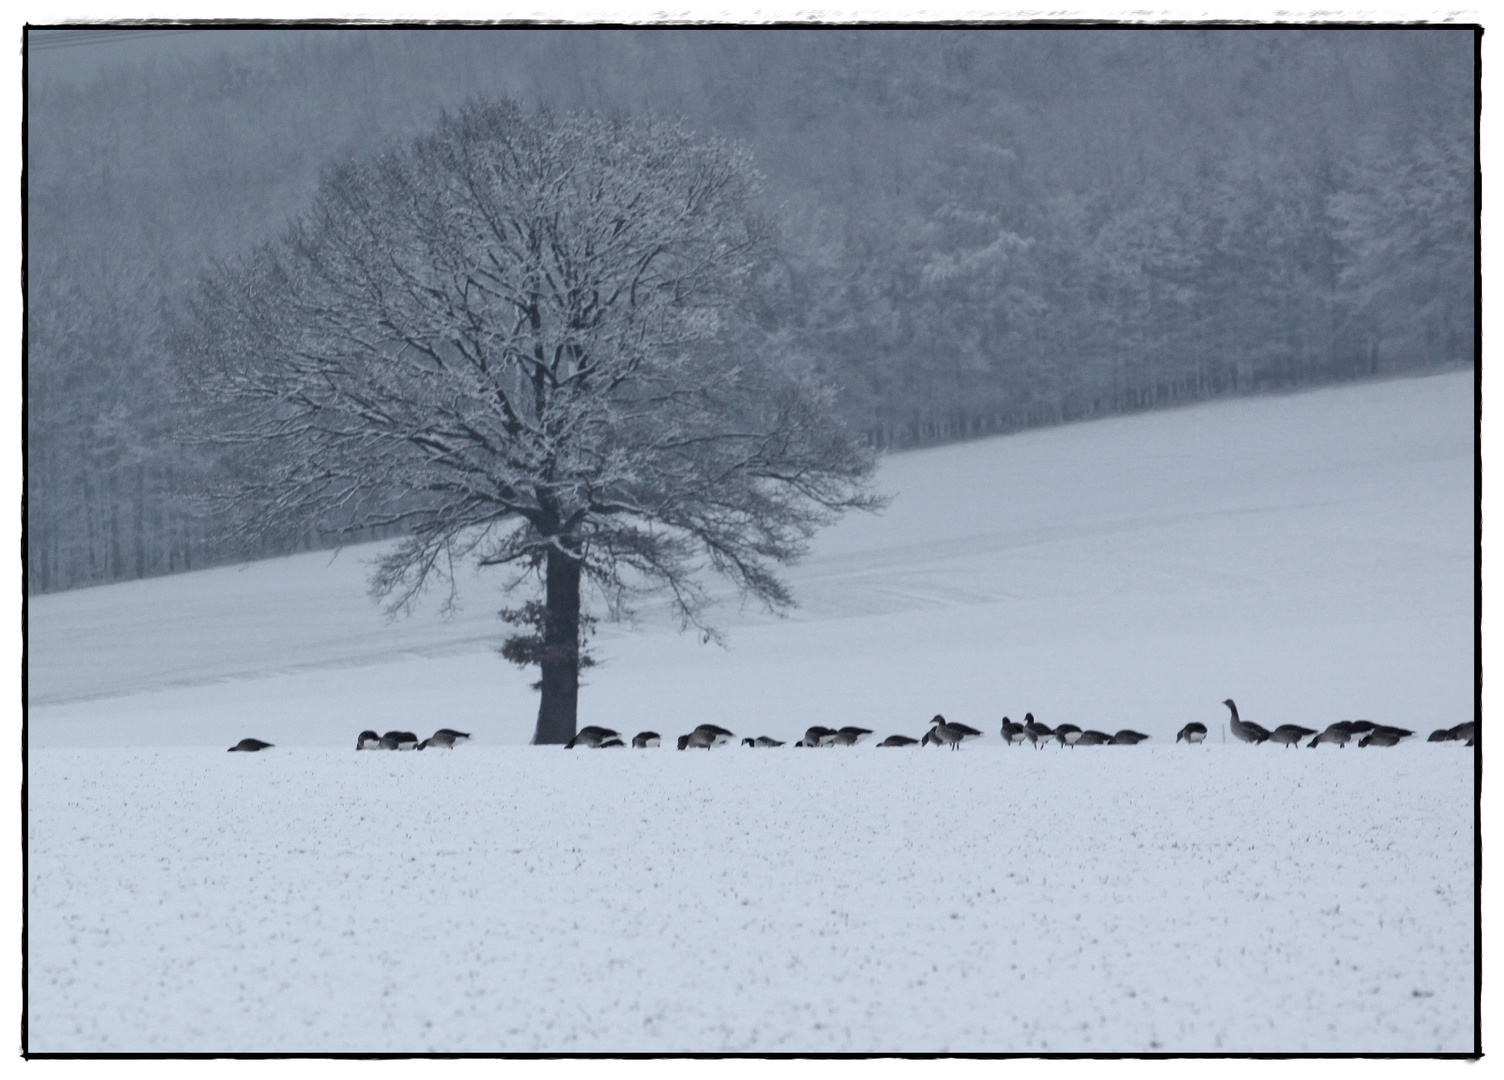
x: 1309, y: 556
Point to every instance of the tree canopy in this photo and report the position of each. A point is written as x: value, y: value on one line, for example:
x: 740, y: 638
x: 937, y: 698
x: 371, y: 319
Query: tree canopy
x: 526, y: 339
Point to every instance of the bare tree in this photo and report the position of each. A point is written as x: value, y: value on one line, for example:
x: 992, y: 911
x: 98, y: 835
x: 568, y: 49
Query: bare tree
x: 525, y: 340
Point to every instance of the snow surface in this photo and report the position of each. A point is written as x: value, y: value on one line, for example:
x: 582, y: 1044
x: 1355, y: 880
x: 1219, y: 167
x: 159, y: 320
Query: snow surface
x: 1310, y: 556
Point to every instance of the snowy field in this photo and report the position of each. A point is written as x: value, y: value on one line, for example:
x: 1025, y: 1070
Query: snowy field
x: 1309, y: 556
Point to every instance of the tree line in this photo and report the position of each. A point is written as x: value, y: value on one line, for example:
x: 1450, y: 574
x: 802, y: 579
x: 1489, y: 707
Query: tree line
x: 983, y: 229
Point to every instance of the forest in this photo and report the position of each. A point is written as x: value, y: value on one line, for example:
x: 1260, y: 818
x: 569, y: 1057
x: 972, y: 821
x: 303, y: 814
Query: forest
x: 982, y: 229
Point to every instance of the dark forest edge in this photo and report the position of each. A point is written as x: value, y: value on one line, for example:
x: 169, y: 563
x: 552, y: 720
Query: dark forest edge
x: 990, y: 231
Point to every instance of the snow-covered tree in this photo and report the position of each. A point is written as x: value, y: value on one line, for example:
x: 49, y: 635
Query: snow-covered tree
x: 525, y: 339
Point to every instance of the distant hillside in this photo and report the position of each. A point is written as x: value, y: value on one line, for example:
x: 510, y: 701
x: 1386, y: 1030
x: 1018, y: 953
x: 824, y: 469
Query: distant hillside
x: 985, y: 230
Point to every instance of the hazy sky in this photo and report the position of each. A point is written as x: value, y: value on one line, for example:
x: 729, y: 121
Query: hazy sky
x: 77, y: 54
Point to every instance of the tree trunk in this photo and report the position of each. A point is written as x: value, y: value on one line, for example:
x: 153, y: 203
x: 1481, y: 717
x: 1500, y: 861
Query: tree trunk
x: 557, y: 707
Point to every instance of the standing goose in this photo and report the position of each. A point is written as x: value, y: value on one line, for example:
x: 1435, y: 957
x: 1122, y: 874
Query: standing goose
x: 1036, y: 731
x: 368, y: 740
x: 1288, y: 735
x: 644, y: 739
x: 1068, y: 735
x: 250, y: 745
x: 1194, y: 732
x: 1242, y: 729
x: 1012, y: 733
x: 898, y: 740
x: 1093, y: 738
x: 954, y: 734
x: 1127, y: 737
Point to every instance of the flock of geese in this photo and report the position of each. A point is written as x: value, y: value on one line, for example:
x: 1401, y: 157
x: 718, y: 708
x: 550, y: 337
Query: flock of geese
x: 947, y: 733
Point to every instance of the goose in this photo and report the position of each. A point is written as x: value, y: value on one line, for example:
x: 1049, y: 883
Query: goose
x: 1440, y: 735
x: 399, y: 740
x: 930, y: 738
x: 1335, y: 733
x: 1127, y: 737
x: 368, y: 740
x: 761, y: 740
x: 820, y: 736
x: 250, y: 745
x: 644, y: 739
x: 719, y: 735
x: 1093, y: 738
x: 1012, y: 733
x: 1194, y: 732
x: 1380, y: 736
x: 1466, y: 732
x: 1289, y: 735
x: 1067, y: 734
x: 591, y: 736
x: 954, y: 734
x: 898, y: 740
x: 698, y: 740
x: 1035, y: 730
x: 445, y: 737
x: 850, y: 736
x: 1243, y: 729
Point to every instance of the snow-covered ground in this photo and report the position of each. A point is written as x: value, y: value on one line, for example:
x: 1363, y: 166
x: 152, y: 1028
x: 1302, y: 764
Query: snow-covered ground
x: 1309, y: 556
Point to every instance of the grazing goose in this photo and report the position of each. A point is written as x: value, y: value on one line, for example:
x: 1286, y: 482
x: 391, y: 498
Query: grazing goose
x: 719, y: 735
x: 1194, y: 732
x: 1381, y: 736
x: 445, y: 737
x: 1036, y: 731
x: 1093, y: 738
x: 1440, y: 735
x: 898, y: 740
x: 820, y: 736
x: 250, y: 745
x: 399, y: 740
x: 1067, y: 735
x: 1012, y: 733
x: 1244, y: 730
x: 761, y: 740
x: 1289, y: 735
x: 1127, y: 737
x: 1466, y: 732
x: 698, y: 740
x: 368, y: 740
x: 850, y: 736
x: 1338, y: 733
x: 644, y: 739
x: 591, y: 736
x: 954, y: 734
